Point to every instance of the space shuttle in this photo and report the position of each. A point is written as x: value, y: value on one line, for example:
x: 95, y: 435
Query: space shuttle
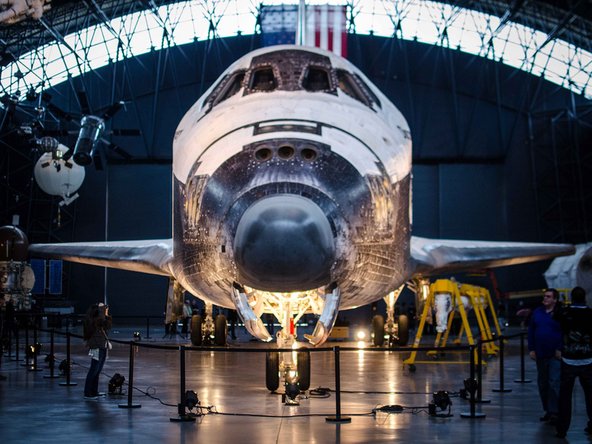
x: 292, y: 194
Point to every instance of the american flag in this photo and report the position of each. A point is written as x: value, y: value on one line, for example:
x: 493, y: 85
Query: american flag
x: 324, y: 27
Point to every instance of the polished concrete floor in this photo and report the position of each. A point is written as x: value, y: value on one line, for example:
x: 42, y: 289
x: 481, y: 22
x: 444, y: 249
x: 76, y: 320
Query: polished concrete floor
x: 238, y: 408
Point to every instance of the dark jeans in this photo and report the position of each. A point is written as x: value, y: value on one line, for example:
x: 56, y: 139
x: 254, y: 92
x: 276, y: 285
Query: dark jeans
x: 548, y: 378
x: 569, y: 373
x: 91, y: 387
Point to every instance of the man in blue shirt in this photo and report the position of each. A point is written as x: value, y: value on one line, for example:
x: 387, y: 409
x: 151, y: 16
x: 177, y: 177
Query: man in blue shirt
x: 544, y: 345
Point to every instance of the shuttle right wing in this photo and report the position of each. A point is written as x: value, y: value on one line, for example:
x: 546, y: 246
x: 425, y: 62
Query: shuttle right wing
x: 436, y: 256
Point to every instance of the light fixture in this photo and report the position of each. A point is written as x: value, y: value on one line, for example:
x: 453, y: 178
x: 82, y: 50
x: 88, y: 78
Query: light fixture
x: 116, y: 384
x: 191, y: 400
x: 137, y: 336
x: 33, y: 350
x: 65, y: 367
x: 361, y: 335
x: 441, y: 401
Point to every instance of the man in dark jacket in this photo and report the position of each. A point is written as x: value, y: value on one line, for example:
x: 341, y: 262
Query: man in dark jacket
x: 544, y: 343
x: 96, y: 325
x: 576, y: 326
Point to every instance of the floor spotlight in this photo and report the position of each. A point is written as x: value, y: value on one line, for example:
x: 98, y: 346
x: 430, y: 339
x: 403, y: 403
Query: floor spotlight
x: 33, y: 350
x: 137, y: 336
x: 65, y: 367
x: 191, y: 400
x: 440, y: 402
x: 115, y: 384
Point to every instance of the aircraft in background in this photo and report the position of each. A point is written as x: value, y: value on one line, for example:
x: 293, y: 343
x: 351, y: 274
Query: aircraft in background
x: 292, y: 195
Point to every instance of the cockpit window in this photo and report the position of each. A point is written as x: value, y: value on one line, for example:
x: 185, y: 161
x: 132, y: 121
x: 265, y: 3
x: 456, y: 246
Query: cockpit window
x: 368, y: 91
x: 231, y: 87
x: 226, y: 88
x: 355, y: 88
x: 263, y: 79
x: 316, y: 79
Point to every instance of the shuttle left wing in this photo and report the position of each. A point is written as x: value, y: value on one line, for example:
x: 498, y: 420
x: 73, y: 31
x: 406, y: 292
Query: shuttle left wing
x: 436, y: 256
x: 146, y: 256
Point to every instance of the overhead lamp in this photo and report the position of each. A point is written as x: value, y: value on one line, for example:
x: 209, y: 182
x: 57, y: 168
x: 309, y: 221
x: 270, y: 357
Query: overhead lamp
x: 116, y: 384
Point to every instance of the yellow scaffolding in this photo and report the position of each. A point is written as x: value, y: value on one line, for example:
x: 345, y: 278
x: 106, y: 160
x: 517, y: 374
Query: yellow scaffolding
x: 440, y: 286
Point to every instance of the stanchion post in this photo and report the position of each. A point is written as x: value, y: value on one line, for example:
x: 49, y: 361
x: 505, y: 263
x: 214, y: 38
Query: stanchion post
x: 338, y: 418
x: 501, y: 388
x: 183, y: 416
x: 472, y: 413
x: 147, y: 327
x: 26, y: 363
x: 480, y: 399
x: 16, y: 343
x: 130, y: 381
x: 10, y: 342
x: 522, y: 379
x: 68, y: 363
x: 51, y: 358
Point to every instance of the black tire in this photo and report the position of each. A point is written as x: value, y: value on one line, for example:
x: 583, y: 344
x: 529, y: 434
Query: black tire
x: 196, y: 336
x: 304, y: 370
x: 403, y: 331
x: 272, y: 371
x: 378, y: 330
x: 220, y: 330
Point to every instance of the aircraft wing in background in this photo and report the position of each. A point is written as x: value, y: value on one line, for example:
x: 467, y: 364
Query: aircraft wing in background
x: 436, y: 256
x: 146, y: 256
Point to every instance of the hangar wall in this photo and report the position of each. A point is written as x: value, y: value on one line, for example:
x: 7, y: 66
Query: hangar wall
x: 468, y: 118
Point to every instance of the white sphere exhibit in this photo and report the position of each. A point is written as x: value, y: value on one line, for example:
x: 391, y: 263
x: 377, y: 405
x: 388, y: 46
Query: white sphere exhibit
x: 56, y: 176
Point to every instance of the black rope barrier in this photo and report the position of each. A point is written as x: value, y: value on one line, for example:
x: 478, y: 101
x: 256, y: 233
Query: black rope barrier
x: 473, y: 384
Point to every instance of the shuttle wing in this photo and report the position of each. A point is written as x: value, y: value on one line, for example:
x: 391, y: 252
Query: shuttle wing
x: 435, y: 256
x: 146, y: 256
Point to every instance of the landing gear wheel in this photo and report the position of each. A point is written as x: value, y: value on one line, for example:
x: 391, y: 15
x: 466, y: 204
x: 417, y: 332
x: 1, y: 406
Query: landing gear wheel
x: 196, y: 336
x: 403, y: 323
x: 378, y: 330
x: 304, y: 370
x: 220, y: 330
x: 272, y: 371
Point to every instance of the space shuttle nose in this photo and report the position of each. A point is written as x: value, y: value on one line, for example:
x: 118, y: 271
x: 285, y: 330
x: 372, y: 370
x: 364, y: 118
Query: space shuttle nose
x: 284, y: 242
